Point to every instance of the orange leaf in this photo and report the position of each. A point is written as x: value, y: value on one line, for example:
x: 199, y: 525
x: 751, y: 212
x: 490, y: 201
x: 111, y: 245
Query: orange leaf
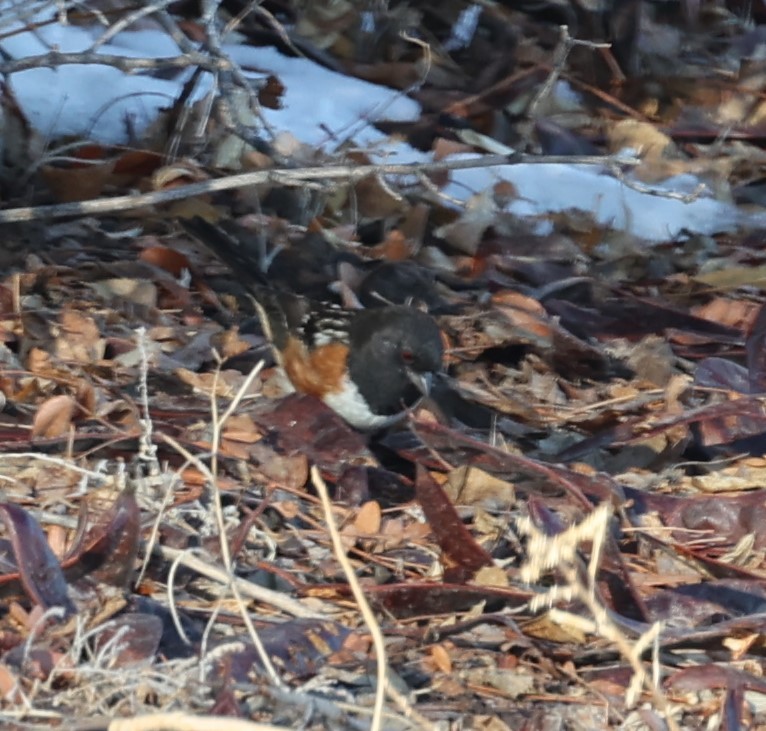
x: 165, y: 258
x: 86, y: 397
x: 368, y: 519
x: 137, y: 163
x: 444, y: 148
x: 441, y: 659
x: 77, y: 183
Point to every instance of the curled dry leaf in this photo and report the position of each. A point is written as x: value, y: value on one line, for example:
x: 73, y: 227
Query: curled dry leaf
x: 299, y: 647
x: 440, y: 657
x: 138, y: 291
x: 550, y: 630
x: 85, y: 181
x: 376, y: 199
x: 443, y: 148
x: 108, y: 550
x: 642, y: 137
x: 54, y: 417
x: 241, y: 428
x: 415, y: 598
x: 10, y: 687
x: 87, y: 397
x: 465, y: 233
x: 229, y: 344
x: 395, y: 247
x: 180, y: 173
x: 38, y: 568
x: 225, y: 384
x: 491, y: 576
x: 288, y: 470
x: 735, y: 313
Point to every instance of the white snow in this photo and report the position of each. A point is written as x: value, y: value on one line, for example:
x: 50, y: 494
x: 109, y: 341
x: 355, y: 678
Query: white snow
x: 320, y: 107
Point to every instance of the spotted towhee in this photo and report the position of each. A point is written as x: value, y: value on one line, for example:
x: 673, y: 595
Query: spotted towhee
x: 369, y: 366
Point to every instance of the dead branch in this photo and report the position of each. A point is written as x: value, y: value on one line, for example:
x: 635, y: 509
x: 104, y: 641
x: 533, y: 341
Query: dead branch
x: 293, y: 176
x: 122, y: 63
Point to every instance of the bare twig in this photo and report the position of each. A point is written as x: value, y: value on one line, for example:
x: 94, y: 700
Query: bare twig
x: 122, y: 63
x: 565, y: 45
x: 254, y: 6
x: 188, y: 722
x: 171, y: 483
x: 127, y: 20
x: 231, y: 580
x: 147, y: 450
x: 230, y: 79
x: 218, y: 423
x: 294, y: 176
x: 639, y: 187
x: 252, y: 591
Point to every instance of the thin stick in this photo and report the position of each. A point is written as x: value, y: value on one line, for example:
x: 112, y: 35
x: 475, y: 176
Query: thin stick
x: 246, y: 588
x: 356, y: 589
x: 188, y: 722
x: 299, y: 176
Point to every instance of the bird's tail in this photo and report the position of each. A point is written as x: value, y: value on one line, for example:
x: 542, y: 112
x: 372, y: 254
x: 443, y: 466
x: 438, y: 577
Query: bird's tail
x: 242, y: 251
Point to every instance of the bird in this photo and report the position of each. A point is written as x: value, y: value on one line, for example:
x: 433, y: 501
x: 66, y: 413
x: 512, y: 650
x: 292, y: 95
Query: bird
x: 370, y: 366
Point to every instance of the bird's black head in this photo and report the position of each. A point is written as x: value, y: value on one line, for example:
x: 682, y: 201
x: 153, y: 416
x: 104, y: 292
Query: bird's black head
x: 394, y: 351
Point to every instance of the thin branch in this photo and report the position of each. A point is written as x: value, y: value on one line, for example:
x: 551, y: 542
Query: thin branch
x: 230, y: 80
x: 122, y: 63
x: 295, y: 176
x: 188, y: 722
x: 565, y: 45
x: 126, y: 21
x: 261, y: 594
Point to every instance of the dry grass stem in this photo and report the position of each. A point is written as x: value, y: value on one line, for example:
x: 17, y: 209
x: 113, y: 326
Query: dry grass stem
x: 186, y: 722
x: 561, y: 552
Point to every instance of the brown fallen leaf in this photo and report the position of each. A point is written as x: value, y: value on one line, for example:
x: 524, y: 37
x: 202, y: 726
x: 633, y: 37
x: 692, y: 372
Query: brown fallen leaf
x: 368, y: 519
x: 455, y: 540
x: 241, y: 428
x: 471, y: 486
x: 80, y: 340
x: 80, y: 181
x: 139, y: 637
x: 441, y: 658
x: 54, y: 417
x: 491, y: 576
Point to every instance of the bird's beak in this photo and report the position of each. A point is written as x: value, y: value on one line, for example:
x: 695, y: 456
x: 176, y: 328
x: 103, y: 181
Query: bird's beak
x: 421, y: 381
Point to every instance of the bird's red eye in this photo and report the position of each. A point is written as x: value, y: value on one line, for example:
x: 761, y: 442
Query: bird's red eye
x: 408, y: 356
